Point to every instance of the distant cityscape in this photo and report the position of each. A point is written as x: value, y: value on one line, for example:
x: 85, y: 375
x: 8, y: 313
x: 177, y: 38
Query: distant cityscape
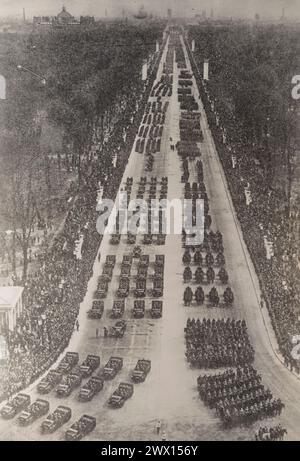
x: 64, y: 18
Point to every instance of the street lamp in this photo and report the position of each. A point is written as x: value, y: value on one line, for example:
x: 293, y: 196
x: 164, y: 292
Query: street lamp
x: 39, y: 77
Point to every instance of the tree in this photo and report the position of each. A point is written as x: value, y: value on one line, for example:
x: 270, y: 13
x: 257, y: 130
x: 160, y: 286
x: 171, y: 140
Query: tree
x: 21, y: 198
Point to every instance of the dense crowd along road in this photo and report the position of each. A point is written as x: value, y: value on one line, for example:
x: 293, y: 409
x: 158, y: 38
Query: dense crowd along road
x: 166, y: 330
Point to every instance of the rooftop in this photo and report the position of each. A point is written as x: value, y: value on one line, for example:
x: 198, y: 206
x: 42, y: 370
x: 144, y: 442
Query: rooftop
x: 9, y: 296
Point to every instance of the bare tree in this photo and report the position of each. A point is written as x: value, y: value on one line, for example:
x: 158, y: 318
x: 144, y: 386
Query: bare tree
x: 21, y: 198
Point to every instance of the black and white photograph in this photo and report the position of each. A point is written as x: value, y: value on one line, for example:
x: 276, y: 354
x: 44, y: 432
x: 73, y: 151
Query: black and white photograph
x: 149, y: 223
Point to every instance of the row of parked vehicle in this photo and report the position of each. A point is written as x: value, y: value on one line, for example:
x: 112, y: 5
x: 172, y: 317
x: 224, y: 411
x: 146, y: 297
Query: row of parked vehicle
x: 140, y: 290
x: 124, y: 288
x: 155, y: 107
x: 163, y: 88
x: 103, y: 284
x: 148, y: 239
x: 195, y: 191
x: 138, y: 311
x: 28, y: 412
x: 149, y: 146
x: 155, y: 118
x: 152, y: 191
x: 155, y: 190
x: 125, y: 390
x: 151, y: 131
x: 118, y: 310
x: 149, y: 141
x: 153, y: 182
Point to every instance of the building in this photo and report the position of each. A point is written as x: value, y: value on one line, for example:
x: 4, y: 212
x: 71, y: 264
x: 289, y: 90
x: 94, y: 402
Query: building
x: 11, y: 306
x: 87, y: 20
x: 42, y: 22
x: 63, y: 19
x: 169, y: 13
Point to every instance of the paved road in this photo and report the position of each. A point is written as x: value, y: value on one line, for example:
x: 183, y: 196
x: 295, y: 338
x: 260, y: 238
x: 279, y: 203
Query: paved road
x: 169, y: 392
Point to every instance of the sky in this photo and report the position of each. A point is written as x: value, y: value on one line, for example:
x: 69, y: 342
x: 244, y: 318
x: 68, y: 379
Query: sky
x: 235, y: 8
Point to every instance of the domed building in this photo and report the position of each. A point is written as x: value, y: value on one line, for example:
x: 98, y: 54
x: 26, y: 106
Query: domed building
x: 64, y: 17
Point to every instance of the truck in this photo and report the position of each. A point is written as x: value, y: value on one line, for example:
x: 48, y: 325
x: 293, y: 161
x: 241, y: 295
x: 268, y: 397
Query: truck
x: 90, y: 389
x: 127, y: 260
x: 118, y: 309
x: 107, y: 273
x: 125, y: 271
x: 68, y: 384
x: 36, y: 410
x: 141, y: 371
x: 18, y: 403
x: 89, y: 365
x: 97, y: 309
x: 139, y: 309
x: 156, y: 309
x: 123, y: 289
x: 159, y: 260
x: 81, y: 428
x: 48, y: 383
x: 110, y: 260
x: 158, y: 272
x: 158, y: 287
x: 68, y: 362
x: 142, y: 272
x: 102, y: 289
x: 56, y: 419
x: 113, y: 366
x: 120, y: 395
x: 141, y: 288
x: 144, y: 260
